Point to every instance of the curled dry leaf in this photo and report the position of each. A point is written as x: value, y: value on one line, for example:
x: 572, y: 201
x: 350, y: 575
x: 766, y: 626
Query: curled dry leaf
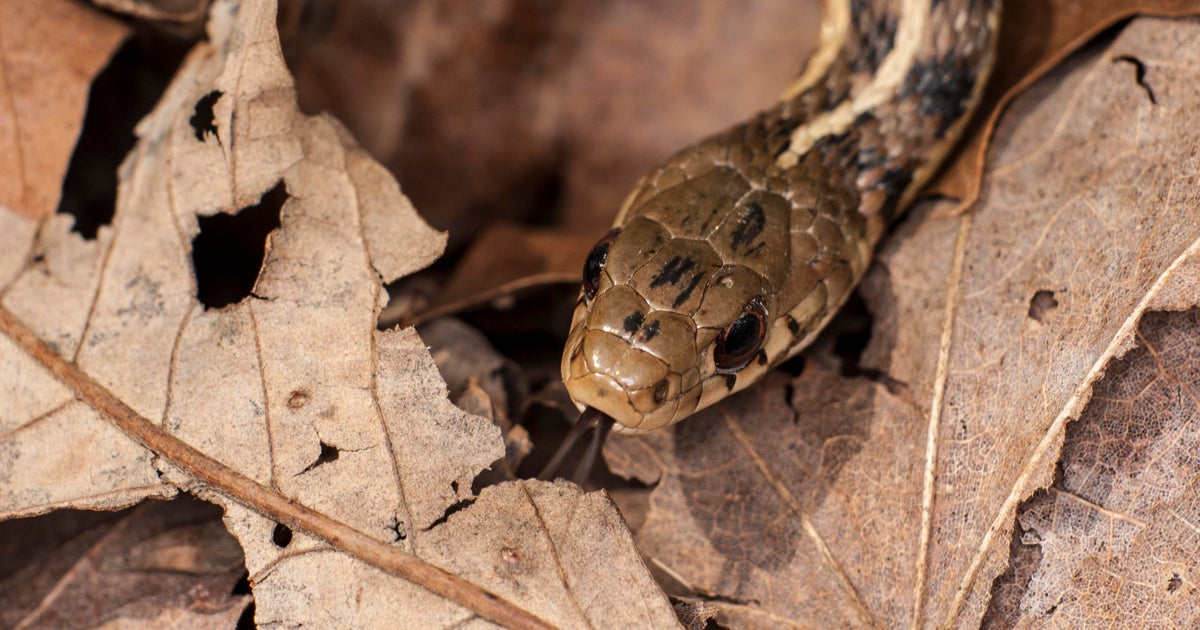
x: 890, y: 500
x: 170, y: 12
x: 332, y: 446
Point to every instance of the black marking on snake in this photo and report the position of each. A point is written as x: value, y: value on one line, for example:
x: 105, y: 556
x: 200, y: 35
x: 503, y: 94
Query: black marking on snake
x: 687, y: 292
x: 894, y: 180
x: 712, y: 213
x: 840, y: 148
x: 761, y: 357
x: 730, y: 381
x: 634, y: 322
x: 750, y: 224
x: 878, y: 36
x: 793, y: 325
x: 672, y: 272
x: 893, y: 183
x: 779, y: 138
x: 650, y: 331
x: 942, y: 86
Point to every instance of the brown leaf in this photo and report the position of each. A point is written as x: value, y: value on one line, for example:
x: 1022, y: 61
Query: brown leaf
x: 332, y: 447
x: 51, y: 51
x: 184, y: 18
x: 161, y: 563
x: 480, y: 380
x: 1036, y: 35
x: 505, y: 261
x: 890, y: 500
x: 1116, y: 531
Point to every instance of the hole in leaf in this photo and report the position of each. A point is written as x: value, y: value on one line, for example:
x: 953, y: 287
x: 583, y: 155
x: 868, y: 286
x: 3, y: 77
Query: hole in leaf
x: 242, y: 587
x: 246, y: 620
x: 1041, y: 304
x: 121, y: 95
x: 282, y: 536
x: 1139, y: 75
x: 328, y: 454
x: 228, y: 252
x: 203, y: 120
x: 852, y: 333
x: 398, y: 528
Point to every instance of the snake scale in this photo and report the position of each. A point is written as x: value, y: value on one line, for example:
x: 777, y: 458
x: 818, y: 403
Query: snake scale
x: 733, y: 254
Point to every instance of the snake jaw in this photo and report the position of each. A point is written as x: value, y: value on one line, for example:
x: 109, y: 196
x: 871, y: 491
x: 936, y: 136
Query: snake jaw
x: 630, y: 385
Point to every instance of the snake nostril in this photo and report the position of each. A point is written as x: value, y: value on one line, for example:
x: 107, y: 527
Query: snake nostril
x: 661, y: 391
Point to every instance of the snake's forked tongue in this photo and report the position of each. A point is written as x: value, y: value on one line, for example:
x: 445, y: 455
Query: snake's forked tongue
x: 591, y: 419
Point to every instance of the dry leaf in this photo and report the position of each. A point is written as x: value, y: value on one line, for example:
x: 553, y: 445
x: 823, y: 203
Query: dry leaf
x: 51, y: 51
x: 801, y: 501
x: 1036, y: 36
x: 890, y: 500
x: 331, y: 446
x: 160, y: 564
x: 505, y: 261
x: 1116, y: 532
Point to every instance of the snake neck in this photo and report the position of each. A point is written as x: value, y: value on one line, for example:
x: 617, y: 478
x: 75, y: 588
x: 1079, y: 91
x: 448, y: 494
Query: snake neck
x: 733, y: 255
x: 886, y: 95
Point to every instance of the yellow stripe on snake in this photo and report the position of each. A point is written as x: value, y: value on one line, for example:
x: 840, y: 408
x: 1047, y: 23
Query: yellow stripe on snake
x: 732, y: 255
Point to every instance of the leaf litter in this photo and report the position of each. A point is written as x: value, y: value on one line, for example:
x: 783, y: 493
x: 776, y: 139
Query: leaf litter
x: 882, y: 499
x: 331, y: 446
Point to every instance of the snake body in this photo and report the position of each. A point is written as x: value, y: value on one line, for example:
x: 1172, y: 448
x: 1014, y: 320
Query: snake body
x: 732, y: 255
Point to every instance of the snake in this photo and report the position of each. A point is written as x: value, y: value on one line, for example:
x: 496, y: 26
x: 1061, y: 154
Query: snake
x: 733, y: 254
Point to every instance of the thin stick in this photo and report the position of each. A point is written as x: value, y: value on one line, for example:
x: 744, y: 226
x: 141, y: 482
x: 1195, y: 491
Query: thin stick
x: 224, y: 480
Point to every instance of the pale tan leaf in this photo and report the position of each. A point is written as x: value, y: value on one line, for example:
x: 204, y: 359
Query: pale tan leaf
x: 340, y: 463
x: 1037, y: 36
x: 1117, y: 532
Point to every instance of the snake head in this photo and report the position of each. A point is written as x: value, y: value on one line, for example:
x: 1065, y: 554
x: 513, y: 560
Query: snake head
x: 664, y: 327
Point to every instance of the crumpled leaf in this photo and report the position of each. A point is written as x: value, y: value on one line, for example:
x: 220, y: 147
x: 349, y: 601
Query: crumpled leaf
x: 331, y: 446
x: 890, y: 499
x: 51, y: 51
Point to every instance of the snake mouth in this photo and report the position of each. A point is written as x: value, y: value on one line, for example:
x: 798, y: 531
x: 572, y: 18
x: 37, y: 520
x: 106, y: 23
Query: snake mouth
x: 605, y: 394
x: 631, y: 386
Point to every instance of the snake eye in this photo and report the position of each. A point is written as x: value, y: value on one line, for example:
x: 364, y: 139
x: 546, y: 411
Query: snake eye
x: 742, y: 338
x: 595, y: 263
